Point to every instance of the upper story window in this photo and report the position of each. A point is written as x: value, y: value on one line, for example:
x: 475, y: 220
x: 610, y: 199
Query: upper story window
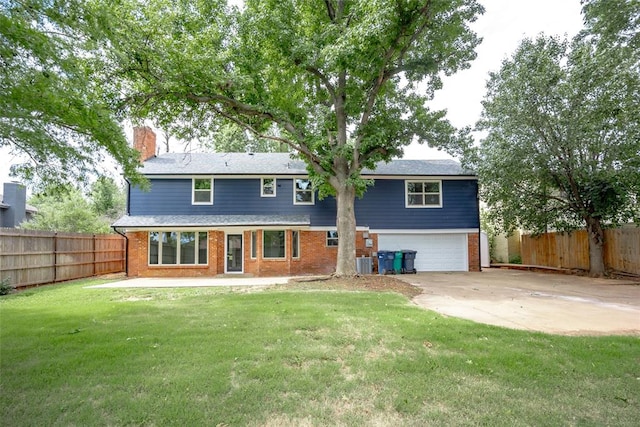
x: 423, y: 194
x: 268, y: 187
x: 202, y: 191
x: 302, y: 192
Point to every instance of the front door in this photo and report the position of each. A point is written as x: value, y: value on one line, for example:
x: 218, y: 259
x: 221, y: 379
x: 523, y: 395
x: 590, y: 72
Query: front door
x: 234, y: 253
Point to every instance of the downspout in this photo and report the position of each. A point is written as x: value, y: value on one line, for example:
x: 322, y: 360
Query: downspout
x: 126, y: 251
x: 128, y: 197
x: 479, y: 227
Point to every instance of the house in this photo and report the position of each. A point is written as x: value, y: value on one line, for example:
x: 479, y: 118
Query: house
x: 13, y: 205
x: 257, y: 213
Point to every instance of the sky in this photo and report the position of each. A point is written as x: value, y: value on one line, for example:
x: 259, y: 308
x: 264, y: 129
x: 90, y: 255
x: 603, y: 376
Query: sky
x: 503, y: 25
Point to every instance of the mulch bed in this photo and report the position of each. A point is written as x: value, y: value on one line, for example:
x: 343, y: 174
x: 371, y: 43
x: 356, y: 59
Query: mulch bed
x: 373, y: 283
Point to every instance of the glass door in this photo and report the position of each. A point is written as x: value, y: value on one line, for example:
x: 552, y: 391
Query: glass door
x: 234, y: 253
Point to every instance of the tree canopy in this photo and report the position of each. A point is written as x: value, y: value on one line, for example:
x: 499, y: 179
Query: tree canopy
x: 563, y: 143
x: 65, y: 208
x: 345, y: 83
x: 53, y: 110
x: 232, y: 138
x: 613, y: 23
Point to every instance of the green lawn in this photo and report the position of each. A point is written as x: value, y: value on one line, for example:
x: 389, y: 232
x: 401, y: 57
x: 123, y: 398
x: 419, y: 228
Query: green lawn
x: 217, y: 356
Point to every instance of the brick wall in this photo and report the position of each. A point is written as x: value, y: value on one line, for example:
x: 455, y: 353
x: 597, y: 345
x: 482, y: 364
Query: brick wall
x: 474, y: 251
x: 315, y: 256
x: 139, y: 259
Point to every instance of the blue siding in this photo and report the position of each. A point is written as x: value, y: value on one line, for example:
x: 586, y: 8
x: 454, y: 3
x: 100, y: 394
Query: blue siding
x: 230, y: 197
x: 381, y: 207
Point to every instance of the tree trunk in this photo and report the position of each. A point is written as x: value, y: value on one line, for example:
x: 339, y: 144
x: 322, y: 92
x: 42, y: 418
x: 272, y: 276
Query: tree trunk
x: 346, y: 224
x: 596, y: 244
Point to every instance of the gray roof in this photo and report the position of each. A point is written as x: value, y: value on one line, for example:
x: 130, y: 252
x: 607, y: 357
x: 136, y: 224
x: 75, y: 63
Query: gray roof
x: 280, y: 164
x: 147, y: 221
x: 28, y: 208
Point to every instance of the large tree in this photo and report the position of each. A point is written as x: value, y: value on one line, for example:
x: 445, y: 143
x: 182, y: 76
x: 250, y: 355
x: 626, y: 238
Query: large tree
x: 346, y: 83
x: 613, y: 23
x: 563, y: 143
x: 232, y: 138
x: 108, y: 200
x: 54, y: 113
x: 65, y: 208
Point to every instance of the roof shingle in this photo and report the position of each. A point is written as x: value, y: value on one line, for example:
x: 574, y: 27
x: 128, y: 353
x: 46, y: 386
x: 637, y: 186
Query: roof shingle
x: 281, y: 164
x: 144, y: 221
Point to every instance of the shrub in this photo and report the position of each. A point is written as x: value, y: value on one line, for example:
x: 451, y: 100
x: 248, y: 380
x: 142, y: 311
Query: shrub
x: 516, y: 259
x: 5, y: 287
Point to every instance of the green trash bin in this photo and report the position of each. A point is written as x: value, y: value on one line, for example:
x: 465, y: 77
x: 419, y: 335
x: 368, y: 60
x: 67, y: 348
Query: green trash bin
x: 397, y: 262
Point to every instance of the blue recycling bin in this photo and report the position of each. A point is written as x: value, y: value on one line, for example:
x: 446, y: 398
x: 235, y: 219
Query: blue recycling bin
x: 385, y: 262
x: 408, y: 258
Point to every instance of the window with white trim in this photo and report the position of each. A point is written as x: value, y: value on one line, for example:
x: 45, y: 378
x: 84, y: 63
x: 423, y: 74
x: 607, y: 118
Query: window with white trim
x: 332, y: 238
x: 202, y: 193
x: 178, y: 248
x: 267, y: 187
x: 302, y: 192
x: 254, y: 242
x: 295, y: 244
x: 423, y: 194
x: 273, y: 244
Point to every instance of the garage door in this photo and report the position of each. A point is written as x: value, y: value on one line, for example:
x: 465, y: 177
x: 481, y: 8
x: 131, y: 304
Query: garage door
x: 436, y: 252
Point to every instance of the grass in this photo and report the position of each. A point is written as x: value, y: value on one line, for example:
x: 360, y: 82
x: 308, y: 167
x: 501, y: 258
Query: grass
x: 220, y: 356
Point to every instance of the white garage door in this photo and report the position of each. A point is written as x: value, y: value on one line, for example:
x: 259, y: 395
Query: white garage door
x: 436, y: 252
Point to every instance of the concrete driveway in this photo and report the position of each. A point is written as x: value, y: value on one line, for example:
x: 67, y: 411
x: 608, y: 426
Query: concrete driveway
x: 546, y: 302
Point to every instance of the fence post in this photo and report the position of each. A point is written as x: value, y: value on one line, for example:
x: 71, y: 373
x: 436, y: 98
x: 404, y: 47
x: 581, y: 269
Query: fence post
x: 94, y: 254
x: 55, y: 257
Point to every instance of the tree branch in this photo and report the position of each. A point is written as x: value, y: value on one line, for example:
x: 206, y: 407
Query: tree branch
x: 302, y: 149
x: 384, y: 74
x: 325, y: 81
x: 330, y: 10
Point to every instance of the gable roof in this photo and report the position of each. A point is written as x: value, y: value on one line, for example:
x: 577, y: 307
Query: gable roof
x: 282, y: 164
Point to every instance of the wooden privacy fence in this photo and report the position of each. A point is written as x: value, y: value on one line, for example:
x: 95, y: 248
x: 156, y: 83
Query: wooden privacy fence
x: 30, y: 257
x: 571, y: 250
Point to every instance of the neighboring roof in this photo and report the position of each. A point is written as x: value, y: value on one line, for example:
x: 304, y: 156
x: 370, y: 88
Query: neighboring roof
x: 28, y: 208
x: 145, y: 221
x: 280, y: 164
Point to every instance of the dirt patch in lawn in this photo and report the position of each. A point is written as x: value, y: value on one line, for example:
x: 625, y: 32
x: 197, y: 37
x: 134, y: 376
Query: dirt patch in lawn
x: 374, y: 283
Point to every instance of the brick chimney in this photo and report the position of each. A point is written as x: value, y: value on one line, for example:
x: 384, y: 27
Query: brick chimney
x: 144, y: 140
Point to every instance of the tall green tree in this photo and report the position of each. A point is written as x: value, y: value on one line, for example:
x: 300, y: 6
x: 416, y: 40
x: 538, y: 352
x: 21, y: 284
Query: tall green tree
x: 346, y: 83
x: 65, y: 209
x: 613, y: 23
x: 232, y: 138
x: 563, y: 143
x: 53, y: 110
x: 107, y: 199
